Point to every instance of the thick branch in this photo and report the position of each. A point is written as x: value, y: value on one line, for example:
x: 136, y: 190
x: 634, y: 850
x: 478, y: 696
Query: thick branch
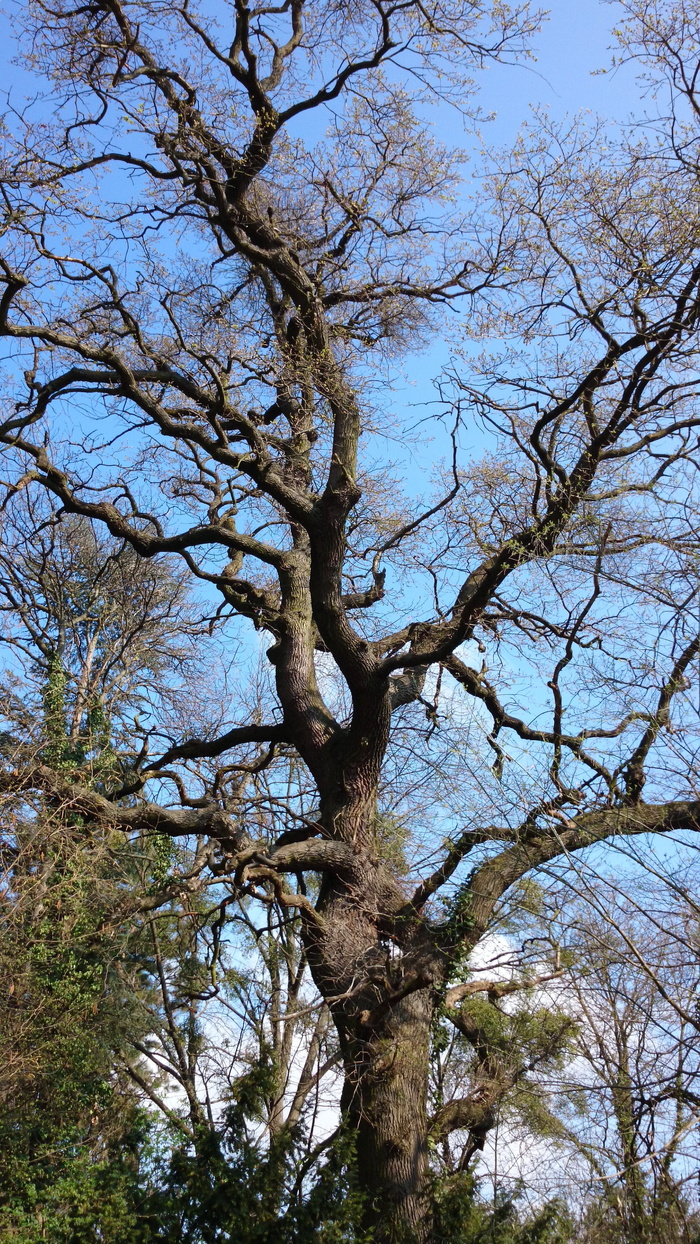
x: 194, y: 749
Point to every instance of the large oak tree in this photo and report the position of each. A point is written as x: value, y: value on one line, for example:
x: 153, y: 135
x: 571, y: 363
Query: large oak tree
x: 218, y: 239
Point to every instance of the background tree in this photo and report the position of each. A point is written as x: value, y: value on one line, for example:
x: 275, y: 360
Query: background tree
x: 616, y: 1113
x: 630, y: 1105
x: 209, y: 284
x: 83, y: 623
x: 121, y: 990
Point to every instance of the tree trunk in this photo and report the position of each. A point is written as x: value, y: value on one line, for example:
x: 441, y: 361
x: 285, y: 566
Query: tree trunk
x: 363, y: 963
x: 385, y: 1100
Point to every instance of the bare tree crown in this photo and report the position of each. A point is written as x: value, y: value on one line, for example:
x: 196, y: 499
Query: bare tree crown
x: 230, y: 223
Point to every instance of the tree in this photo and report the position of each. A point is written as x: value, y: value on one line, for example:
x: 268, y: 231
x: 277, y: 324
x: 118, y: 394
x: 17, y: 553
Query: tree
x: 210, y: 287
x: 623, y: 1104
x: 83, y: 622
x: 120, y: 986
x: 640, y: 1069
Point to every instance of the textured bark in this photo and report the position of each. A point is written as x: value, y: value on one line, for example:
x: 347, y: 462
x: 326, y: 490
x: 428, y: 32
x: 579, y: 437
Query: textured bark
x: 385, y: 1099
x: 379, y: 976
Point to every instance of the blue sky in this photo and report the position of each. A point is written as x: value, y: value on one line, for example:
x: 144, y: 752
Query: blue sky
x: 571, y: 72
x: 573, y: 45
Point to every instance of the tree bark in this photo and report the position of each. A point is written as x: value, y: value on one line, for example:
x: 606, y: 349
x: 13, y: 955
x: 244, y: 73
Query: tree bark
x: 385, y: 1102
x: 379, y: 980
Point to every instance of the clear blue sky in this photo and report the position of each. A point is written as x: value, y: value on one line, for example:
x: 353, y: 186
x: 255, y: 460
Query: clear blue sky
x: 573, y: 44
